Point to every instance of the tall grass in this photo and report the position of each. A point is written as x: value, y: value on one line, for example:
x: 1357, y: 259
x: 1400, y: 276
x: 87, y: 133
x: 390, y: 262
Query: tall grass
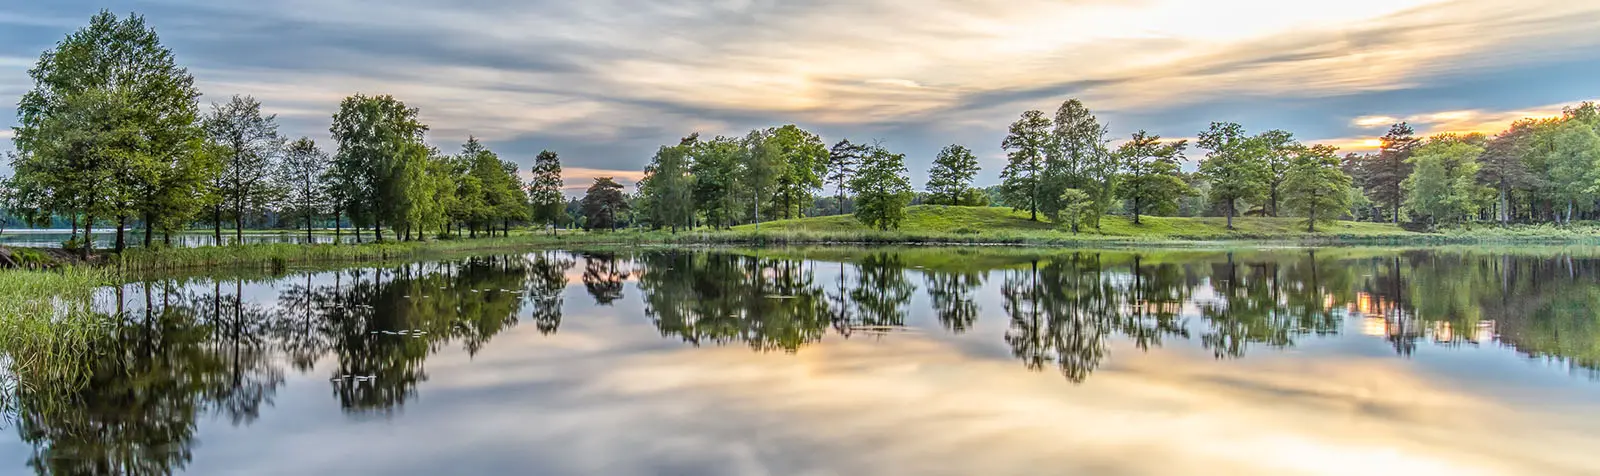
x: 47, y: 324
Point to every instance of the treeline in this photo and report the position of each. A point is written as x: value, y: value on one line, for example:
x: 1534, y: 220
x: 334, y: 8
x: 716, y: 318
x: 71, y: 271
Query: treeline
x: 112, y: 133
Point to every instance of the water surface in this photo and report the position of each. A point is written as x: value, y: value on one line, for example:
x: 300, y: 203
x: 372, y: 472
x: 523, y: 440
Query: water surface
x: 843, y: 361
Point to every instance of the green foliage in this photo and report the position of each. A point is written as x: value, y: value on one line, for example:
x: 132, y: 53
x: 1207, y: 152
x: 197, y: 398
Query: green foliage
x: 1443, y: 186
x: 108, y: 129
x: 1151, y: 179
x: 804, y: 160
x: 1573, y: 165
x: 1026, y: 147
x: 950, y: 181
x: 882, y: 189
x: 843, y: 159
x: 253, y: 146
x: 1385, y: 173
x: 303, y: 168
x: 716, y: 171
x: 1234, y: 166
x: 376, y: 135
x: 1315, y: 187
x: 666, y: 191
x: 1080, y: 160
x: 544, y: 191
x: 1075, y: 204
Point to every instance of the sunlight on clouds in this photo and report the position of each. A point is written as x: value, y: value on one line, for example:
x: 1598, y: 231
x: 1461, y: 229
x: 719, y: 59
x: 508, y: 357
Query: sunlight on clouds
x: 1373, y: 122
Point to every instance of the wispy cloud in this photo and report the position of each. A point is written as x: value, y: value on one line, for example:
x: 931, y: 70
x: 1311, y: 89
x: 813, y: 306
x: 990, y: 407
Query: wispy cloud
x: 611, y: 79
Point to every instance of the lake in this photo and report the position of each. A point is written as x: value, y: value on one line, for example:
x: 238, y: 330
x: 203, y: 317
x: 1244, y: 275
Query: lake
x: 824, y: 361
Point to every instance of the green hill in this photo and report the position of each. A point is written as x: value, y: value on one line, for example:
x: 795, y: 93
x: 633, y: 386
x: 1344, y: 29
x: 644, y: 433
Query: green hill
x: 976, y: 222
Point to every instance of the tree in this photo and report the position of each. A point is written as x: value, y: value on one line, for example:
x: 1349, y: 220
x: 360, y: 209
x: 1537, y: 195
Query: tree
x: 842, y: 161
x: 667, y: 187
x: 545, y: 189
x: 1026, y: 147
x: 1279, y: 149
x: 1387, y: 171
x: 304, y: 166
x: 1080, y: 160
x: 1233, y: 166
x: 1074, y: 206
x: 1502, y: 166
x: 1151, y: 179
x: 759, y: 168
x: 373, y: 133
x: 716, y: 170
x: 882, y: 189
x: 253, y: 147
x: 1315, y: 187
x: 1574, y: 165
x: 951, y: 177
x: 108, y: 127
x: 804, y: 163
x: 603, y: 203
x: 1443, y: 185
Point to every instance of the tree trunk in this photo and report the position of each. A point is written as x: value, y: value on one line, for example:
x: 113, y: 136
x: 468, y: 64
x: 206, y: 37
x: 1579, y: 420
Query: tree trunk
x: 216, y: 222
x: 377, y: 231
x: 238, y: 226
x: 1231, y: 206
x: 338, y: 228
x: 1136, y: 210
x: 122, y: 227
x: 1274, y: 200
x: 1311, y: 218
x: 88, y: 235
x: 149, y: 219
x: 1505, y: 206
x: 308, y: 228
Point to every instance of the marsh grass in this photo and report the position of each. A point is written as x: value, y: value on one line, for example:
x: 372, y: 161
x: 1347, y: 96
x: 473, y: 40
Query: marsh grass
x: 47, y: 327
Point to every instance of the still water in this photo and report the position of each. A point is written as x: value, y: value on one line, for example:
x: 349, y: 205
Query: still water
x: 840, y: 361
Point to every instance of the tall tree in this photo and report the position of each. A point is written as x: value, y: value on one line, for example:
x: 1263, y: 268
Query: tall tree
x: 667, y: 187
x: 1387, y: 171
x: 759, y: 169
x: 951, y: 178
x: 545, y: 189
x: 1234, y: 166
x: 1026, y: 146
x: 882, y: 189
x: 1151, y: 178
x: 843, y: 159
x: 1315, y: 186
x: 373, y: 133
x: 304, y: 166
x: 716, y: 170
x: 603, y: 204
x: 254, y: 147
x: 1574, y: 166
x: 1279, y: 150
x: 108, y: 127
x: 804, y: 163
x: 1081, y: 161
x: 1502, y: 166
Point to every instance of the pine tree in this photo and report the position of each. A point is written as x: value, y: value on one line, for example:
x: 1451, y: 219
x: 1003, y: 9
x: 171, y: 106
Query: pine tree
x: 544, y: 191
x: 1027, y: 147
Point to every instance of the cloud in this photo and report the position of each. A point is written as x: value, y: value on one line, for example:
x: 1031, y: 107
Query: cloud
x: 607, y: 81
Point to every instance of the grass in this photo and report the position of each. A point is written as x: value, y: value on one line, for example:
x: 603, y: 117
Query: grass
x: 47, y: 326
x: 939, y: 224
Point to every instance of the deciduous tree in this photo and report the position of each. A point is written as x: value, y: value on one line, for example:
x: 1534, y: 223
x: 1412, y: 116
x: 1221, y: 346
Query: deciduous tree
x: 951, y: 177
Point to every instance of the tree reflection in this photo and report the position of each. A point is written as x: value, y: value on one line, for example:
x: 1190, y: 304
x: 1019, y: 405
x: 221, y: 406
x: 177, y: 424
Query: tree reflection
x: 1064, y: 312
x: 547, y: 279
x: 954, y: 297
x: 768, y: 304
x: 603, y: 278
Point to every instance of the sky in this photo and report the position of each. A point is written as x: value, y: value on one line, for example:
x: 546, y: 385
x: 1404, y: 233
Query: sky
x: 606, y: 82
